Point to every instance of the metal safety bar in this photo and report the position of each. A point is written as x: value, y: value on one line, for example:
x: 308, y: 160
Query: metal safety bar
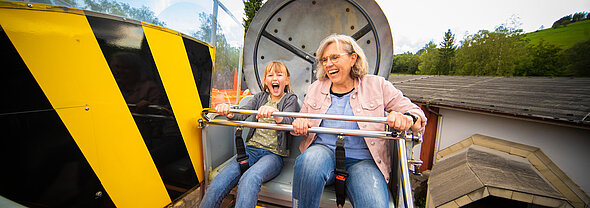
x: 320, y: 130
x: 401, y: 138
x: 406, y: 186
x: 316, y: 116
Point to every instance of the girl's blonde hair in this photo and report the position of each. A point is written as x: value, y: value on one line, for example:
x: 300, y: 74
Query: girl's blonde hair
x: 278, y: 67
x: 349, y: 45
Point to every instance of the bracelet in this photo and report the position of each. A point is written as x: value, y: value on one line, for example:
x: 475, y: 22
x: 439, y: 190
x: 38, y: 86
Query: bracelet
x: 414, y: 118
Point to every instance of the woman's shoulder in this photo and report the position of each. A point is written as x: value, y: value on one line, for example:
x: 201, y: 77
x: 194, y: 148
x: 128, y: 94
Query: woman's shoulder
x: 374, y: 80
x: 319, y: 84
x: 370, y: 77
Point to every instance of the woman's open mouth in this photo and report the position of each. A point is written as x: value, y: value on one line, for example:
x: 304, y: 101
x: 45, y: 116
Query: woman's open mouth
x: 333, y: 71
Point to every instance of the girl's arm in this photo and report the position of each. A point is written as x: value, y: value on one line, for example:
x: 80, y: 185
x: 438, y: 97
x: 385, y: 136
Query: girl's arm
x: 251, y: 105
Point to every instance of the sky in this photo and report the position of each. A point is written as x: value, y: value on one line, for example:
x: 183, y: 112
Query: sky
x: 183, y: 15
x: 413, y: 23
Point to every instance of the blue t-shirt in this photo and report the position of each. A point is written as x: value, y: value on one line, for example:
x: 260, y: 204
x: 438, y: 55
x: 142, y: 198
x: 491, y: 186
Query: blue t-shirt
x: 355, y: 146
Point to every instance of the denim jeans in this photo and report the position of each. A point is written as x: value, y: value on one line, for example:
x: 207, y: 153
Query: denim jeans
x: 314, y: 169
x: 264, y: 165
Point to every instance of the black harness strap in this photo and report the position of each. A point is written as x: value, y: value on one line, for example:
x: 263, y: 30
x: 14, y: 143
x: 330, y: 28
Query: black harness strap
x: 242, y: 157
x: 341, y: 173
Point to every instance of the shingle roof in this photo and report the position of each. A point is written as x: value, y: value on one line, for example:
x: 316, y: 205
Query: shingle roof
x: 479, y: 171
x: 564, y: 100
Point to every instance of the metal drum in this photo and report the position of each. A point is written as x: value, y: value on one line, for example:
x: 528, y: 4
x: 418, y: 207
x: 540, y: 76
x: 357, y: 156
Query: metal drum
x: 290, y: 32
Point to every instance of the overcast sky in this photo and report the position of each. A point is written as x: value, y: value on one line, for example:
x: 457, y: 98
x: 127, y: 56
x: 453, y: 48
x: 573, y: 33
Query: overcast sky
x: 413, y: 22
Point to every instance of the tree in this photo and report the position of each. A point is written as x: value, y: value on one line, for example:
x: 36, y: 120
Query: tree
x: 250, y: 9
x: 405, y: 63
x: 496, y: 53
x: 577, y: 59
x: 562, y: 21
x: 579, y: 16
x: 428, y: 59
x: 123, y: 9
x: 226, y: 57
x: 446, y: 54
x: 543, y: 60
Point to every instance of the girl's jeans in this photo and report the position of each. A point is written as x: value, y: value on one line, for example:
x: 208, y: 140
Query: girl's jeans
x: 264, y: 165
x: 314, y: 169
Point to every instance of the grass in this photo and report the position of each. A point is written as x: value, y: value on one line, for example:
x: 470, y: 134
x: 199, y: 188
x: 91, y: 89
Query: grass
x: 563, y: 37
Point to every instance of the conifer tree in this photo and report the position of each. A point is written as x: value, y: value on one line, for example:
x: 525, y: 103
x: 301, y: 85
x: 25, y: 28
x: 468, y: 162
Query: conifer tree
x: 446, y: 54
x: 250, y: 9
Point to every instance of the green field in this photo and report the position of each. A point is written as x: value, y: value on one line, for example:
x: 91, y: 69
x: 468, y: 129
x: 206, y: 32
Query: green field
x: 563, y: 37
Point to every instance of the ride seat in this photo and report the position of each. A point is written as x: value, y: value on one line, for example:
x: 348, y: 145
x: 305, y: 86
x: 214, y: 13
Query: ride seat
x: 278, y: 190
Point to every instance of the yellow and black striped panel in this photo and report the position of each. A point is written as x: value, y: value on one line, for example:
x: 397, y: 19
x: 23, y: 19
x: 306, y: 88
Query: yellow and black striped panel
x: 171, y: 59
x: 41, y: 163
x: 128, y: 95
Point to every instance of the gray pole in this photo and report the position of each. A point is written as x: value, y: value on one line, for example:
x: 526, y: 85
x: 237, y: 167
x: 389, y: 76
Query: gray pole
x: 214, y: 26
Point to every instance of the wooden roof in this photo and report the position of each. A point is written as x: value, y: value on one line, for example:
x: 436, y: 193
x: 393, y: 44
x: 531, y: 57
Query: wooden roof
x: 562, y: 100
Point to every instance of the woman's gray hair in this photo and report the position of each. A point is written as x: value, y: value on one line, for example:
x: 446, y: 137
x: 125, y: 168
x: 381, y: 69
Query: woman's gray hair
x: 349, y: 45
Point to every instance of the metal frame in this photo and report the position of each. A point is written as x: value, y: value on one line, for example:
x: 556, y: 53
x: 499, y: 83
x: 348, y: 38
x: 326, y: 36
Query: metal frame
x: 400, y: 137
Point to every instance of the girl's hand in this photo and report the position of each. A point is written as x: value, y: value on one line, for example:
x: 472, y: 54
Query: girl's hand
x: 266, y: 112
x: 300, y: 126
x: 399, y: 121
x: 223, y: 109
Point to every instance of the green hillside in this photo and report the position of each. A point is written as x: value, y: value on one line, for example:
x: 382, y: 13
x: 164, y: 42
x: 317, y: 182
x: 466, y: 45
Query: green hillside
x: 563, y: 37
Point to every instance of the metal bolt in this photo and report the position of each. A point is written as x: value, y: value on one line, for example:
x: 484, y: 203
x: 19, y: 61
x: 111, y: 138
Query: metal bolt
x: 98, y: 194
x: 30, y: 5
x: 201, y: 123
x: 87, y: 108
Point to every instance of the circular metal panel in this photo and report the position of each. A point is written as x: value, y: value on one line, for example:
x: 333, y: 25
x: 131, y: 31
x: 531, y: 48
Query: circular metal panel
x: 290, y: 32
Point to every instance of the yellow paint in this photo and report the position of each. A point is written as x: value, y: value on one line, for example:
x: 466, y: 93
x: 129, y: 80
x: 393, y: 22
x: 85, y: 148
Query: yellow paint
x: 212, y: 52
x: 63, y: 55
x: 175, y: 71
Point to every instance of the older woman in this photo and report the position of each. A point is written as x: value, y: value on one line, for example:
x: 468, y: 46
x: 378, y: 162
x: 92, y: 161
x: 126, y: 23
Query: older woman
x: 344, y: 88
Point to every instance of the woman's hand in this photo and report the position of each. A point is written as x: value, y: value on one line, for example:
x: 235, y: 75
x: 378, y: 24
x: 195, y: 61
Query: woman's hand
x: 300, y: 126
x: 399, y: 121
x: 223, y: 109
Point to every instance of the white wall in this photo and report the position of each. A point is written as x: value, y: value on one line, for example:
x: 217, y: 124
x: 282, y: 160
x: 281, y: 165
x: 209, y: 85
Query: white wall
x: 569, y: 148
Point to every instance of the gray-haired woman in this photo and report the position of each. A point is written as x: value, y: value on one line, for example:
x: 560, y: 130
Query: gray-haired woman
x: 344, y: 88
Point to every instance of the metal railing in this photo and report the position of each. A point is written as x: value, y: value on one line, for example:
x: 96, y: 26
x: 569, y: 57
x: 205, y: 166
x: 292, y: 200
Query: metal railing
x: 401, y: 138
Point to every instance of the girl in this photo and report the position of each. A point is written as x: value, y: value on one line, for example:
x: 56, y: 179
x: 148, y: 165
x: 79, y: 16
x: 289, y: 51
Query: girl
x: 265, y: 148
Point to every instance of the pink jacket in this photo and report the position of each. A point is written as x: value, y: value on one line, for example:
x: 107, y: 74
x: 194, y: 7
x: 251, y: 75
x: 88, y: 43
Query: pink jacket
x: 373, y: 96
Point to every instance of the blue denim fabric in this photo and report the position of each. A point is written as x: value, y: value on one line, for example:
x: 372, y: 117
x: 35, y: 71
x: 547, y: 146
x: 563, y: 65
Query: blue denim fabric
x: 314, y: 169
x: 355, y: 145
x: 264, y: 165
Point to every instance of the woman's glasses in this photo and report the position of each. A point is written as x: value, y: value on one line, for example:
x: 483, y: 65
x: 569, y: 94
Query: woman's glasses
x: 334, y: 57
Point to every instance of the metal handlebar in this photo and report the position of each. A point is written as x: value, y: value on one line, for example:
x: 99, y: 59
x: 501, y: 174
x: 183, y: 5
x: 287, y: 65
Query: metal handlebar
x: 316, y: 116
x: 406, y: 195
x: 320, y: 130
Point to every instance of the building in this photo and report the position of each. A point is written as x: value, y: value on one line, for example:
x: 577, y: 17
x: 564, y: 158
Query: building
x: 542, y: 122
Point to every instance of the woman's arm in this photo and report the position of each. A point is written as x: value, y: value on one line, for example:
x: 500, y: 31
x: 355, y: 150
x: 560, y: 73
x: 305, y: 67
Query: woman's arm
x: 397, y: 104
